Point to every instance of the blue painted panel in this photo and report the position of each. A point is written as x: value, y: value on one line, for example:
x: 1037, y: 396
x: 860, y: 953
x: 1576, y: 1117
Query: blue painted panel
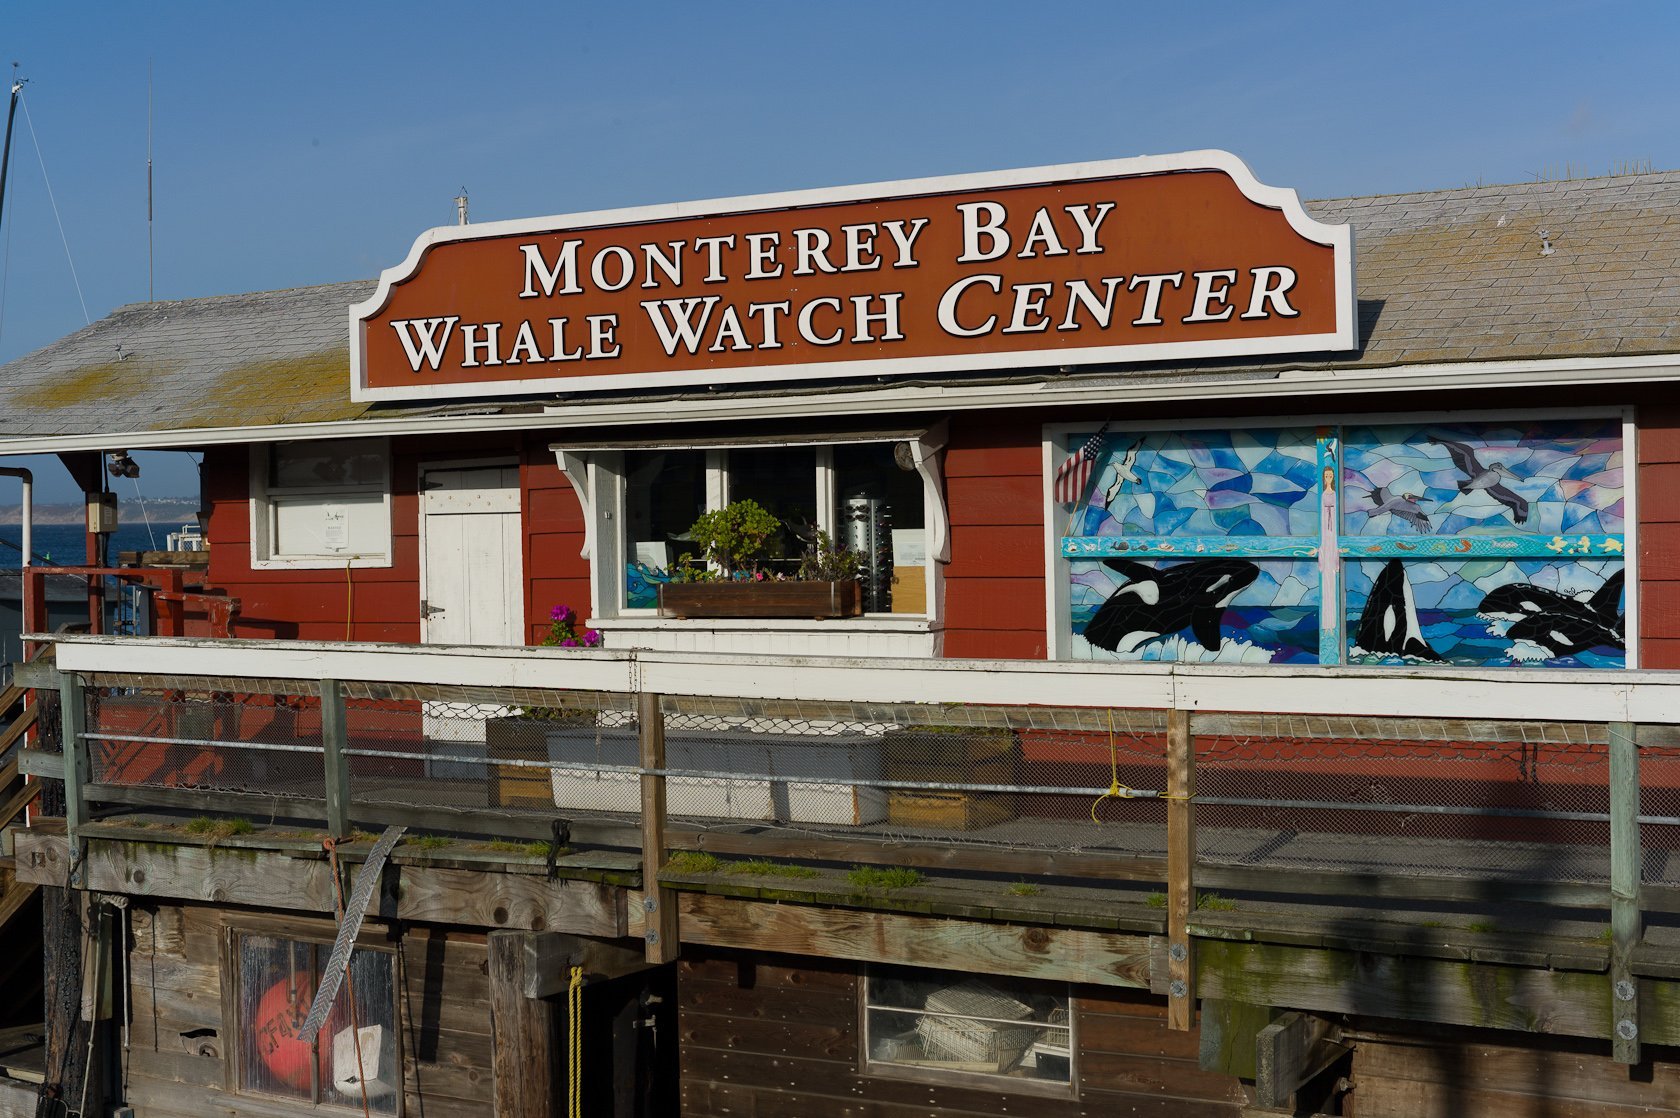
x: 1186, y: 547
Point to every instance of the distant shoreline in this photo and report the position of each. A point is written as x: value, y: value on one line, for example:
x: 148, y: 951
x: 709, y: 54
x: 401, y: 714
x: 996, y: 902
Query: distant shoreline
x: 158, y: 509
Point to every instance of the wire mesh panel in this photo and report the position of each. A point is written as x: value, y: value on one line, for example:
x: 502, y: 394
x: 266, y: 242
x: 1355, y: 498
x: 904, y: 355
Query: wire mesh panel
x: 1029, y: 778
x: 1514, y: 800
x: 243, y: 736
x: 499, y: 751
x: 1659, y: 804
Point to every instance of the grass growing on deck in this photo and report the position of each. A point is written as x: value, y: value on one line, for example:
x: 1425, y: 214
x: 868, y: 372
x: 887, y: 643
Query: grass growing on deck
x: 694, y: 861
x: 217, y: 829
x: 883, y: 877
x: 1024, y: 889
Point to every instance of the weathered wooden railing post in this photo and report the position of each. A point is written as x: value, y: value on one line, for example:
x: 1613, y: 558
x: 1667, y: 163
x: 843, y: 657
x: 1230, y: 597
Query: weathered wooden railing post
x: 1626, y: 921
x: 1181, y: 862
x: 72, y: 702
x: 659, y: 904
x: 334, y: 740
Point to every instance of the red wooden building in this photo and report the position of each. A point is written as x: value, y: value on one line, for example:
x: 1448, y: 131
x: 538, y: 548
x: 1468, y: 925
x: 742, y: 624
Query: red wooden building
x: 1147, y: 419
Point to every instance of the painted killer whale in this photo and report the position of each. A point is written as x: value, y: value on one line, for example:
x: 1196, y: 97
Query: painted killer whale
x: 1556, y: 623
x: 1389, y: 622
x: 1159, y: 601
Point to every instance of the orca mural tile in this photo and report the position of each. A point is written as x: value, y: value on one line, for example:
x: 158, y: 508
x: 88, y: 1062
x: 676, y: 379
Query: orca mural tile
x: 1199, y: 610
x: 1534, y: 612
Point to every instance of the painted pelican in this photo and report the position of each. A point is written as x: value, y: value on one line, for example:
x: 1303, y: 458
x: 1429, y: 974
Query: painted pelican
x: 1488, y: 478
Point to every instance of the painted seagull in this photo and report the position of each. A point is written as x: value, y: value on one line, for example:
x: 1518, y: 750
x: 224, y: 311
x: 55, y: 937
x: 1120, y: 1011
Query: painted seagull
x: 1123, y: 472
x: 1478, y: 476
x: 1403, y: 505
x: 1159, y: 601
x: 1557, y: 624
x: 1389, y: 623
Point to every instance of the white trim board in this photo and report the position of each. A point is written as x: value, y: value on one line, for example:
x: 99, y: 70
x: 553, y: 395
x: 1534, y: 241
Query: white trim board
x: 1521, y: 694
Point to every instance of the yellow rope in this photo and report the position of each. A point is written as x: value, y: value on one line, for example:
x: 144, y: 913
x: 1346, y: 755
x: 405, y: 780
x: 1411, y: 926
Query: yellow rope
x: 1116, y: 790
x: 574, y: 1061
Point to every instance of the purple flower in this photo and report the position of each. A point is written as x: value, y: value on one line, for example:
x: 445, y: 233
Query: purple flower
x: 561, y: 613
x: 569, y: 642
x: 591, y: 638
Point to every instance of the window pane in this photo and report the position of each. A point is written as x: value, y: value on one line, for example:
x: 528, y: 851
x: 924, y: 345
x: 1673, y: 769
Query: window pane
x: 332, y: 527
x: 990, y: 1026
x: 327, y: 462
x: 1542, y: 478
x: 276, y: 985
x: 784, y: 481
x: 344, y: 1080
x: 664, y: 491
x: 880, y: 517
x: 1222, y: 610
x: 1487, y: 613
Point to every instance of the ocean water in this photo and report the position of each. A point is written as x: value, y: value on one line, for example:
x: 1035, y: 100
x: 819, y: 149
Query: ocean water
x: 63, y: 544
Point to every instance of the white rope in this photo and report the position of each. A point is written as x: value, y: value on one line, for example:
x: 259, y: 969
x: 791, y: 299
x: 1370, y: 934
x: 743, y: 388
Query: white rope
x: 74, y: 278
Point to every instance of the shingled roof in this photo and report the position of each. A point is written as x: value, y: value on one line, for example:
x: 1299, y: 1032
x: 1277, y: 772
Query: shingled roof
x: 1443, y: 276
x: 227, y: 361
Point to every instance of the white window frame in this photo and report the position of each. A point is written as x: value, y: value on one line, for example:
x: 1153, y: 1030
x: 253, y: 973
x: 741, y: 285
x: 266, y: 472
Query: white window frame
x: 1058, y: 641
x: 597, y: 477
x: 990, y: 1081
x: 265, y: 499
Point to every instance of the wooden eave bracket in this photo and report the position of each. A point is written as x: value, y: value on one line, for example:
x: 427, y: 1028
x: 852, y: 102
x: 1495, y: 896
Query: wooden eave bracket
x: 928, y: 452
x: 576, y: 468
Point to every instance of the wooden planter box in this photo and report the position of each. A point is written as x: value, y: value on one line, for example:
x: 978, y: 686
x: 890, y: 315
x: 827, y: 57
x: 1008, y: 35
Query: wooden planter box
x: 761, y: 599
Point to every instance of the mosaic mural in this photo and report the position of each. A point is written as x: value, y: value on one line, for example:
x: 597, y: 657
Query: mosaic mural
x: 1472, y: 544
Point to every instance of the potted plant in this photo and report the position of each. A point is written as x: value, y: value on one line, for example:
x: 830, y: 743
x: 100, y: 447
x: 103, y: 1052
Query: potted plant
x: 734, y: 542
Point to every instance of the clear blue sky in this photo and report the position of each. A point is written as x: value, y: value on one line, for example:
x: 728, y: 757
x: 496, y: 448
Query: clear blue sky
x: 311, y: 142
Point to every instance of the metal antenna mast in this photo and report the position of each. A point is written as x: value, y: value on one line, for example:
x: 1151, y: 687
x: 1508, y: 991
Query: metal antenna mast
x: 6, y: 154
x: 150, y: 294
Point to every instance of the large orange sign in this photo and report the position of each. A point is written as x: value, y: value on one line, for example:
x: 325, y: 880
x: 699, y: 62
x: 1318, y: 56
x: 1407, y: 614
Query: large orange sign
x: 1152, y: 259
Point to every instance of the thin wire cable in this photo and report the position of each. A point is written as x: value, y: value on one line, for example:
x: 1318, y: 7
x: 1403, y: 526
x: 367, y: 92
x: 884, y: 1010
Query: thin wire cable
x: 42, y: 159
x: 144, y: 515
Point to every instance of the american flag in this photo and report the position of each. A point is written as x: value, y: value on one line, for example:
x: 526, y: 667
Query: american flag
x: 1074, y: 476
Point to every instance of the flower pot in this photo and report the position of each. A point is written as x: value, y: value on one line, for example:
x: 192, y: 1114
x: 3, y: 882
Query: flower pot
x: 761, y: 599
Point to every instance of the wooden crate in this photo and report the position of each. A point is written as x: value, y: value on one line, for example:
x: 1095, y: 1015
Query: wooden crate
x: 518, y: 739
x: 955, y: 811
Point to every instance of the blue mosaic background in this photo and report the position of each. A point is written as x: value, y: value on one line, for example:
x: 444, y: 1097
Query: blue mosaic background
x: 1207, y: 483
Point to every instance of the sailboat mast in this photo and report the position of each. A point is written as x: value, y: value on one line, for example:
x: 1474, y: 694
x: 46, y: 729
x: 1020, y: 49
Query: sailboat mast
x: 6, y: 153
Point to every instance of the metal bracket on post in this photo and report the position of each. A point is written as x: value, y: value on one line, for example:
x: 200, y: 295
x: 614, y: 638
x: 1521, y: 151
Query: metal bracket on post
x: 334, y: 738
x: 1626, y: 920
x: 1181, y: 862
x: 72, y: 704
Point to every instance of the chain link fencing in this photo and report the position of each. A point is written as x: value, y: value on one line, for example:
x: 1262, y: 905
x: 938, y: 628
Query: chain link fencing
x: 1469, y: 799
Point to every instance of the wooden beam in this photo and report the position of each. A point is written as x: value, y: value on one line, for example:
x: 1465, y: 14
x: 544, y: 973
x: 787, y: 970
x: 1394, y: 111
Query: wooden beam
x: 522, y: 1034
x: 1228, y: 1033
x: 1443, y: 991
x: 72, y: 721
x: 1289, y: 1052
x: 550, y: 957
x: 334, y: 740
x: 1626, y: 921
x: 1181, y: 862
x: 1057, y: 954
x: 659, y: 933
x: 285, y: 880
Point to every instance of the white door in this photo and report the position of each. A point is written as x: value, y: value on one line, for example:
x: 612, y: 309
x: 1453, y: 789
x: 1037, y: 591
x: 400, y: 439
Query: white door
x: 471, y: 585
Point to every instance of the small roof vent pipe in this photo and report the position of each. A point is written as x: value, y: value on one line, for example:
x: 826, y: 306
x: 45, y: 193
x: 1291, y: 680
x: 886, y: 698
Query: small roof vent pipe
x: 461, y: 207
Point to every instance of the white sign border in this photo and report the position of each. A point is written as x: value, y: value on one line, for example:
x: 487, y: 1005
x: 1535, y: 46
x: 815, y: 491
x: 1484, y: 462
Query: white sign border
x: 1338, y: 237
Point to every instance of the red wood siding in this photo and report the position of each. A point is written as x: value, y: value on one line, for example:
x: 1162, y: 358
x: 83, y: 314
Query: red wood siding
x: 994, y: 585
x: 556, y: 573
x: 1659, y: 536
